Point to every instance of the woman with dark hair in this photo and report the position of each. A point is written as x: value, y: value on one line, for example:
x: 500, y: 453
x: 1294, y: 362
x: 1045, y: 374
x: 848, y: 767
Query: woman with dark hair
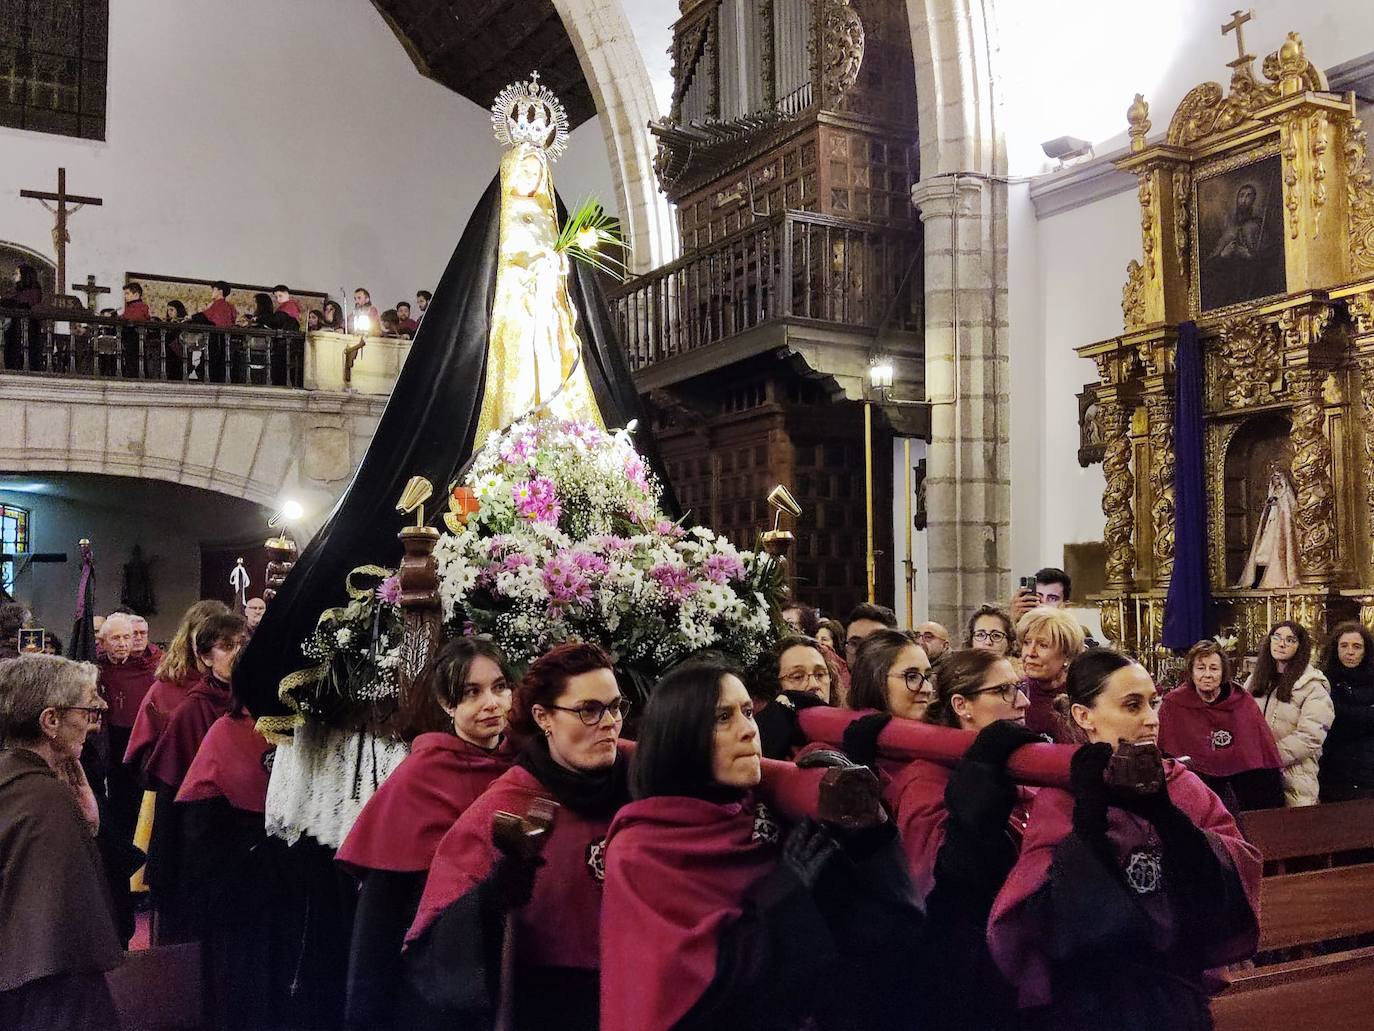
x: 711, y: 919
x: 1131, y: 884
x: 991, y: 629
x: 571, y: 710
x: 1347, y: 770
x: 830, y: 632
x: 1296, y: 702
x: 217, y: 642
x: 27, y: 293
x: 1219, y: 728
x: 891, y: 676
x: 803, y: 619
x: 394, y: 839
x: 332, y: 320
x: 961, y: 830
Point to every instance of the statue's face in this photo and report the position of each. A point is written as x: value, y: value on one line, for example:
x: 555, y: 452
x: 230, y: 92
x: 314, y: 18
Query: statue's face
x: 529, y: 171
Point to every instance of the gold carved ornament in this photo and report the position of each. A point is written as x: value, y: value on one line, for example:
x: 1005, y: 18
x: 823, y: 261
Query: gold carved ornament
x: 1182, y: 182
x: 1116, y: 499
x: 1161, y: 413
x: 1366, y: 364
x: 1360, y: 196
x: 1146, y: 192
x: 1247, y: 354
x: 1312, y: 474
x: 1133, y: 296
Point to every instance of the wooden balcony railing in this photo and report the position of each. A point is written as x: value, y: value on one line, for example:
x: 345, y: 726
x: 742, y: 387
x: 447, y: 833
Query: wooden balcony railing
x: 793, y: 266
x: 71, y: 342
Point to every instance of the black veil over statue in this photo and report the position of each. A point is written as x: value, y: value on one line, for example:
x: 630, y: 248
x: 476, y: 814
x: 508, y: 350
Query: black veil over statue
x: 429, y: 428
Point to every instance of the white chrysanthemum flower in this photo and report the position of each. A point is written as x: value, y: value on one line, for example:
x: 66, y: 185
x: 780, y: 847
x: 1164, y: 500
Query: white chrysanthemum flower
x: 342, y: 636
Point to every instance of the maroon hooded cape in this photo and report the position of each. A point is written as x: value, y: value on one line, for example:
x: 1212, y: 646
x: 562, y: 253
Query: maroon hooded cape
x: 677, y: 872
x: 916, y: 795
x: 159, y: 703
x: 206, y: 701
x: 400, y: 827
x: 230, y: 764
x: 560, y: 927
x: 1220, y: 740
x: 1017, y: 942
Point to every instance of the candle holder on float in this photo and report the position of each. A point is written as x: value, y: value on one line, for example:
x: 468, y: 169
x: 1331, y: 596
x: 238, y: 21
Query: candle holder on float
x: 281, y: 548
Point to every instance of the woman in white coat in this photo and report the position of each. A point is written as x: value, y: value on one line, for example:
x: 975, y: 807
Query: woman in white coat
x: 1297, y: 706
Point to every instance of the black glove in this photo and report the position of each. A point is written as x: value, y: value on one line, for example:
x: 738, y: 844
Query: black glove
x: 808, y: 850
x: 995, y: 742
x: 512, y: 881
x: 1086, y: 768
x: 861, y: 737
x: 779, y: 731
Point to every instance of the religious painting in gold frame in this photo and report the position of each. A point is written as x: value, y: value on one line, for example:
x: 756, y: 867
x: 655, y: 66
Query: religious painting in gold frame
x: 1238, y: 232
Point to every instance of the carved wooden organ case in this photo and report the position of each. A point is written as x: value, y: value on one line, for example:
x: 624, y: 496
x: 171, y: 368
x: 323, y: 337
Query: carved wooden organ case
x: 1257, y: 221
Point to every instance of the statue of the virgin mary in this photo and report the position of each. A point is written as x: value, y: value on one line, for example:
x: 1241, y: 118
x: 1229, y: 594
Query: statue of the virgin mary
x: 514, y: 329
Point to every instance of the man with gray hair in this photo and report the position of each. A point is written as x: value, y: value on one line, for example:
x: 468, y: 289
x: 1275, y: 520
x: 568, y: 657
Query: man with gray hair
x: 125, y: 678
x: 55, y: 921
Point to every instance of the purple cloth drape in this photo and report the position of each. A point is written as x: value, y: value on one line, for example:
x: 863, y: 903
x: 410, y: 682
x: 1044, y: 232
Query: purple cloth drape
x: 1187, y: 609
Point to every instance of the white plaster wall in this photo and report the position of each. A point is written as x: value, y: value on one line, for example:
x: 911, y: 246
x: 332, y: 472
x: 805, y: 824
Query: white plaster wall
x: 169, y: 521
x: 1066, y: 270
x: 920, y: 609
x: 651, y: 21
x: 265, y: 141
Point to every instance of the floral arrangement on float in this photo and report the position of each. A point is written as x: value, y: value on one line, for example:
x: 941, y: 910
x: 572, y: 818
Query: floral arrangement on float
x: 555, y: 534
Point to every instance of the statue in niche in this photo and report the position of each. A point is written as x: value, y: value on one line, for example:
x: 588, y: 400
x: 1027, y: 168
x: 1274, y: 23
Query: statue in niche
x: 1273, y: 558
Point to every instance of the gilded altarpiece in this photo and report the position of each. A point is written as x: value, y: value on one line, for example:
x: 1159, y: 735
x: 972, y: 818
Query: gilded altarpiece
x: 1257, y: 222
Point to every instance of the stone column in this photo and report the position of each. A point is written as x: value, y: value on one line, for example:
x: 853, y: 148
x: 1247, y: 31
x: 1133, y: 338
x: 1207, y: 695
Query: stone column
x: 968, y: 484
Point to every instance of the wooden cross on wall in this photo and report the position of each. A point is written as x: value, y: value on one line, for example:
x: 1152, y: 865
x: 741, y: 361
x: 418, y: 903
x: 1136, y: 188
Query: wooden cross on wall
x: 60, y: 236
x: 91, y: 291
x: 1238, y: 20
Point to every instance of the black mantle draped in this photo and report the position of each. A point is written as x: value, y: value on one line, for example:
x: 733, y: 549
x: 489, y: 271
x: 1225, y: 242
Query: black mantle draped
x: 428, y: 429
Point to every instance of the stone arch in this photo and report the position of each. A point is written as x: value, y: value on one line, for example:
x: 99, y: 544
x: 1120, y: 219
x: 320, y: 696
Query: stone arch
x: 615, y: 71
x: 11, y: 254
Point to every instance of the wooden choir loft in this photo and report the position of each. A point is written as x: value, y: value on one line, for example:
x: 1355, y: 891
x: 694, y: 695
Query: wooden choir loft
x: 790, y: 152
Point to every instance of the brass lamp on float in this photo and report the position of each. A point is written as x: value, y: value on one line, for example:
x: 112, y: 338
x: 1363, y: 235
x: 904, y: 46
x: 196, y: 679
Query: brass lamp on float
x: 777, y: 541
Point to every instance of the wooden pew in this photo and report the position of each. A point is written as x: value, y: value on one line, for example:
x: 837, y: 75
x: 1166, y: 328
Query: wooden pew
x: 1323, y: 907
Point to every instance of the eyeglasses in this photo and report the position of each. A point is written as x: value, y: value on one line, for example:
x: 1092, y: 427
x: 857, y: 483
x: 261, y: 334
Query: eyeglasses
x: 93, y: 712
x: 989, y: 636
x: 1007, y: 692
x: 799, y: 677
x: 914, y: 679
x: 1283, y: 638
x: 929, y: 635
x: 592, y: 713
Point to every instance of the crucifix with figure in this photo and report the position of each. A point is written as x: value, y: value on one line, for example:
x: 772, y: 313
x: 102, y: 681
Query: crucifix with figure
x: 60, y: 236
x: 91, y: 291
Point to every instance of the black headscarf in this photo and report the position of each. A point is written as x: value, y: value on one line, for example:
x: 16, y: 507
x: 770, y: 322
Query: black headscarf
x: 429, y: 429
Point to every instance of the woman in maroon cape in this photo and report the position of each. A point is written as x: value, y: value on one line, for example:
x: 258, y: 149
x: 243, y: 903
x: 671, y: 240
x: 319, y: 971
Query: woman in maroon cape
x: 217, y: 643
x: 793, y: 676
x: 234, y: 879
x: 711, y: 920
x: 1050, y: 639
x: 1132, y: 886
x: 176, y: 673
x: 891, y: 676
x: 394, y: 839
x: 571, y: 708
x: 961, y: 829
x: 1221, y: 731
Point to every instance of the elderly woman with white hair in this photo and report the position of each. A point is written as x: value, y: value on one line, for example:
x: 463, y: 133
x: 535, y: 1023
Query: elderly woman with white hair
x: 1050, y: 639
x: 55, y: 921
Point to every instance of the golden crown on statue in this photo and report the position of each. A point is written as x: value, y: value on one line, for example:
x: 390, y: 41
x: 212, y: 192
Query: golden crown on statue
x: 528, y: 112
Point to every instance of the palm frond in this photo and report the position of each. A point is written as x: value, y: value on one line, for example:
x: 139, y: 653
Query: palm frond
x: 593, y: 237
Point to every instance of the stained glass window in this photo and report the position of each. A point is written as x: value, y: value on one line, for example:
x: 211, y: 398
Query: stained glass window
x: 14, y: 540
x: 52, y: 66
